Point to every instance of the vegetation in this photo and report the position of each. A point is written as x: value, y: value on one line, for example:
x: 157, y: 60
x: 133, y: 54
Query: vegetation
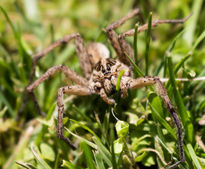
x: 139, y: 131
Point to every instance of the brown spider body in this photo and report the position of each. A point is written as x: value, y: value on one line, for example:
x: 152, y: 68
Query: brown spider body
x: 101, y: 73
x: 105, y: 74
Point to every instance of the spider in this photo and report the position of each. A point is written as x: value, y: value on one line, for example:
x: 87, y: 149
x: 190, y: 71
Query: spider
x: 101, y: 73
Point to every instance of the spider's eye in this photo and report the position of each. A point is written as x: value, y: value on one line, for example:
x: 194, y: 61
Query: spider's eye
x: 103, y: 70
x: 108, y: 67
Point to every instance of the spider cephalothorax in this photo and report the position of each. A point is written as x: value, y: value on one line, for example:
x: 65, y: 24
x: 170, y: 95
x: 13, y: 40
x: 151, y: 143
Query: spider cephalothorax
x: 101, y: 73
x: 104, y: 78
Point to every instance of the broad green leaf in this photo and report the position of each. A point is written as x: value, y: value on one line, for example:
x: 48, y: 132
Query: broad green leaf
x: 122, y: 128
x: 118, y: 146
x: 47, y: 152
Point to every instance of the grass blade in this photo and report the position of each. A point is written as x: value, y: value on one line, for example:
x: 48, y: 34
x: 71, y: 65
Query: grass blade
x: 25, y: 165
x: 190, y: 53
x: 135, y: 44
x: 191, y: 24
x: 180, y: 104
x: 84, y: 127
x: 169, y: 50
x: 24, y: 56
x: 4, y: 100
x: 10, y: 23
x: 38, y: 157
x: 193, y: 156
x: 99, y: 161
x: 186, y: 57
x: 103, y: 151
x: 159, y: 118
x: 82, y: 139
x: 148, y: 35
x: 119, y: 79
x: 88, y: 155
x: 68, y: 164
x: 136, y: 68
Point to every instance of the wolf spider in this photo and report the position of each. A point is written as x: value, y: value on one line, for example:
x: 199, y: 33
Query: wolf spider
x: 101, y: 73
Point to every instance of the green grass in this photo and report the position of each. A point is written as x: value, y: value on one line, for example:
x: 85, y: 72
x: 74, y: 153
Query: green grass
x: 139, y: 131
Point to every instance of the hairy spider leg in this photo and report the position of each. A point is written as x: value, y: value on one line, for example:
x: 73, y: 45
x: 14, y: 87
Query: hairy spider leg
x: 147, y: 81
x: 80, y: 49
x: 105, y: 98
x: 113, y: 37
x: 121, y: 47
x: 82, y: 55
x: 119, y: 43
x: 69, y: 73
x: 72, y: 90
x: 154, y: 24
x: 126, y: 48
